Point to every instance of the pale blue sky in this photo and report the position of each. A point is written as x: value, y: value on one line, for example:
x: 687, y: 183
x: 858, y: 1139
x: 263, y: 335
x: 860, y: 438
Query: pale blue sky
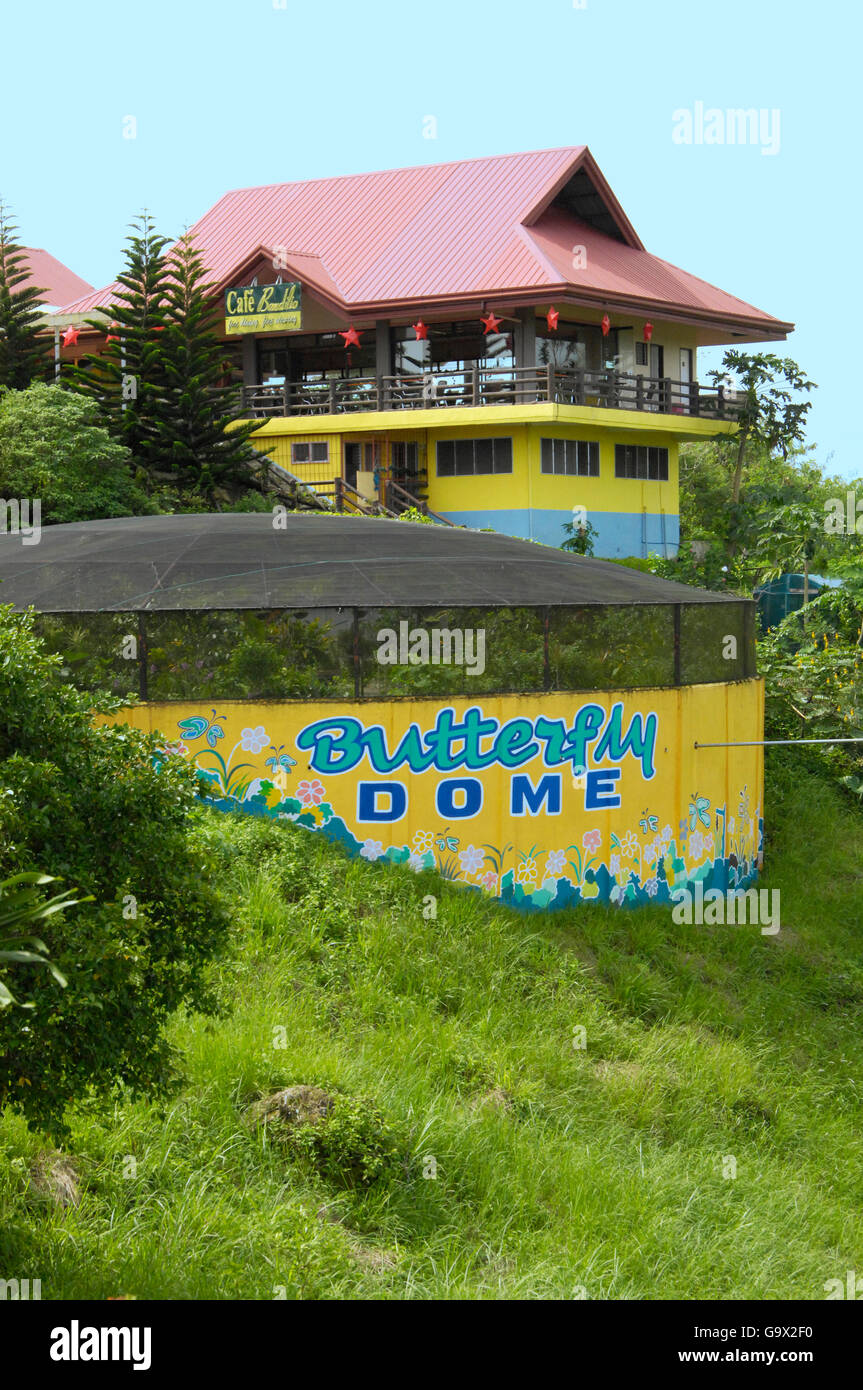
x: 228, y: 93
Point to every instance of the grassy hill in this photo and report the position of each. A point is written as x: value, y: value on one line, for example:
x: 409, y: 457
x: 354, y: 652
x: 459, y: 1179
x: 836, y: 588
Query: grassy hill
x: 446, y: 1044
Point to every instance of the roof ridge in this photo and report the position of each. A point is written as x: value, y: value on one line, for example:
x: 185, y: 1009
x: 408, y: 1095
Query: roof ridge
x: 406, y: 169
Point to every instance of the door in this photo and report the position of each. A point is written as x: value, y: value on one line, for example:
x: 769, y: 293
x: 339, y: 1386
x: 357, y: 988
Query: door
x: 352, y: 463
x: 364, y: 467
x: 657, y: 372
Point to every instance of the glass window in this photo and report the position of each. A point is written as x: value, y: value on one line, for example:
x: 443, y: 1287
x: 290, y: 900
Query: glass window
x: 641, y: 461
x: 458, y: 458
x: 576, y: 458
x: 318, y: 452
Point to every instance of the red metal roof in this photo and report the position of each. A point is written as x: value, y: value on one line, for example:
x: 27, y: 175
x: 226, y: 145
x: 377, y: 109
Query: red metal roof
x: 479, y: 229
x: 57, y: 280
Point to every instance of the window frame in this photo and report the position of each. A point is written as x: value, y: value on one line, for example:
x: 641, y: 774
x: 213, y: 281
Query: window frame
x: 565, y: 446
x: 499, y: 444
x: 311, y: 445
x: 633, y: 463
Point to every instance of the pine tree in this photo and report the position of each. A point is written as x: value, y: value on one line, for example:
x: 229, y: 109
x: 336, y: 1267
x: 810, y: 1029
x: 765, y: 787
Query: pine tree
x: 200, y: 430
x: 126, y: 378
x: 23, y: 353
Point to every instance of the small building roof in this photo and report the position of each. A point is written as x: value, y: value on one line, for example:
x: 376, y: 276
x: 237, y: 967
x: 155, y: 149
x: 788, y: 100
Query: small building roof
x: 440, y: 235
x: 59, y: 283
x: 229, y: 560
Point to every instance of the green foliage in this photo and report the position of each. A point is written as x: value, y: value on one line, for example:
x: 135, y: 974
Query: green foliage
x: 580, y: 537
x: 198, y: 431
x: 769, y: 417
x: 812, y: 664
x: 54, y: 446
x: 22, y: 906
x: 87, y: 802
x: 127, y: 378
x: 23, y: 353
x: 353, y: 1145
x: 701, y: 1042
x: 160, y: 376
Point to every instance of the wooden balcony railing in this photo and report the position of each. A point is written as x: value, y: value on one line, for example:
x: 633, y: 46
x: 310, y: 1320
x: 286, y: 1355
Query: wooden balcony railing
x: 489, y: 386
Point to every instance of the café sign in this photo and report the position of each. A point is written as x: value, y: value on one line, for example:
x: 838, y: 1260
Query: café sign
x: 264, y: 308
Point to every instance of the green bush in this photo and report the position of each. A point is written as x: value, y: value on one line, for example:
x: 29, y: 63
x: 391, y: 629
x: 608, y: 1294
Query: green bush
x: 54, y: 447
x: 353, y: 1147
x: 86, y: 803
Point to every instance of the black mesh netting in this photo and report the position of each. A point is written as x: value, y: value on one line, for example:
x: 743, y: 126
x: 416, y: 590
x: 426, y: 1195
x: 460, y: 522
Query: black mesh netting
x: 230, y: 560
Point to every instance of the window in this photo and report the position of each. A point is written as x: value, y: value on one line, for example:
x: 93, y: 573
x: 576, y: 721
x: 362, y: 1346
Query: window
x: 310, y: 453
x: 639, y: 461
x: 457, y: 458
x: 642, y: 354
x: 574, y: 457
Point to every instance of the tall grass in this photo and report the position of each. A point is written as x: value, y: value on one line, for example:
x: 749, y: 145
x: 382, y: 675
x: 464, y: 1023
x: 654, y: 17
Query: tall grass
x: 527, y: 1166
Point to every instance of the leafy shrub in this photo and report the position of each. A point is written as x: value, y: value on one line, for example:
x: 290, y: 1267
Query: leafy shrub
x: 53, y: 446
x: 354, y: 1146
x: 86, y: 803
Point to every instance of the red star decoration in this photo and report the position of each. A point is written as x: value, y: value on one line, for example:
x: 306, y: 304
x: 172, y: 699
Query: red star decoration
x: 351, y: 337
x: 492, y: 324
x: 70, y: 336
x: 552, y: 317
x: 421, y: 330
x: 606, y: 325
x: 648, y: 332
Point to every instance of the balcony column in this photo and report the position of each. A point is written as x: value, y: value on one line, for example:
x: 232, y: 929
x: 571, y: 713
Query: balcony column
x: 383, y: 358
x: 524, y: 342
x: 250, y: 359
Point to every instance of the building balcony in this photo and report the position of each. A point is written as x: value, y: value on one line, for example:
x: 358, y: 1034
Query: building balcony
x: 490, y: 386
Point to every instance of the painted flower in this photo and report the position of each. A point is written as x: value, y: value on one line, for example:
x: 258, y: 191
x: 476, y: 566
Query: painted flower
x: 416, y: 862
x: 471, y: 860
x: 666, y: 836
x: 614, y: 864
x: 696, y: 844
x: 423, y: 841
x: 371, y: 850
x: 652, y: 851
x: 310, y: 793
x: 555, y: 861
x: 254, y: 740
x: 629, y: 845
x: 651, y: 886
x: 176, y: 750
x: 592, y: 840
x: 526, y: 872
x: 731, y: 824
x: 489, y: 881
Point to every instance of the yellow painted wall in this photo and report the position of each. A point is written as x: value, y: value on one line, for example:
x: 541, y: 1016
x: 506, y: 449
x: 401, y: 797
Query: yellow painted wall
x: 279, y: 450
x: 683, y: 811
x: 528, y: 487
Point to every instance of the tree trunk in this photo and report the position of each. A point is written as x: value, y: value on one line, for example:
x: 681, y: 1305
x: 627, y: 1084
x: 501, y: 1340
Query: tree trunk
x: 738, y: 470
